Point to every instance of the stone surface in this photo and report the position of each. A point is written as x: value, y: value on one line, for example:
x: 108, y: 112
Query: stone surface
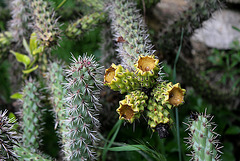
x: 217, y: 32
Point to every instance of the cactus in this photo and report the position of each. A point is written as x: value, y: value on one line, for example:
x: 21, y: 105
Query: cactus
x: 203, y: 138
x: 5, y: 40
x: 18, y: 26
x: 55, y: 78
x: 8, y: 137
x: 130, y: 33
x: 31, y: 115
x: 83, y: 103
x: 119, y: 79
x: 44, y: 22
x: 132, y: 106
x: 84, y: 24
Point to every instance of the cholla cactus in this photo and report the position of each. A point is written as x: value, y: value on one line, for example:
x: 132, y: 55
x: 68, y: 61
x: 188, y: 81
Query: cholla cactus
x: 31, y: 115
x: 203, y: 138
x: 44, y: 22
x: 83, y: 103
x: 8, y: 137
x: 19, y: 25
x: 130, y: 33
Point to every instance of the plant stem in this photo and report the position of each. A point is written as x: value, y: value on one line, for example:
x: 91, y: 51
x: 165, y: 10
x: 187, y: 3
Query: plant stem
x: 178, y: 135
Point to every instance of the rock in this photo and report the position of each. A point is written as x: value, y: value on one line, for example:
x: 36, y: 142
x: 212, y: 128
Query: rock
x: 217, y: 32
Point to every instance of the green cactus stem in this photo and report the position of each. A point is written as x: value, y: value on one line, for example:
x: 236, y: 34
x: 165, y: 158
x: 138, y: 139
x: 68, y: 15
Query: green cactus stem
x: 24, y: 154
x: 84, y: 24
x: 132, y: 106
x: 129, y: 32
x: 202, y: 138
x: 83, y: 86
x: 44, y: 22
x: 119, y: 79
x: 55, y: 79
x: 8, y: 137
x: 31, y: 115
x: 5, y: 40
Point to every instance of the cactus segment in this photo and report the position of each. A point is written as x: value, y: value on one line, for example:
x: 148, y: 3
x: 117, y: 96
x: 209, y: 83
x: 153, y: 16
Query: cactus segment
x: 31, y: 115
x: 147, y: 70
x: 55, y: 79
x: 168, y: 94
x: 84, y: 24
x: 83, y: 84
x: 5, y: 40
x: 203, y: 139
x: 130, y: 32
x: 24, y: 154
x: 96, y: 4
x: 8, y: 137
x: 157, y: 114
x: 132, y: 106
x: 119, y: 79
x: 44, y: 22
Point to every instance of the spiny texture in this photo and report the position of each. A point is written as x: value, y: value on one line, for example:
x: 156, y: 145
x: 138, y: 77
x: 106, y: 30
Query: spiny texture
x: 8, y: 137
x: 44, y: 22
x: 120, y: 79
x: 191, y: 19
x: 5, y: 40
x: 55, y: 79
x: 83, y: 104
x: 19, y: 25
x: 84, y: 24
x: 203, y: 138
x: 132, y: 106
x: 31, y: 115
x: 129, y: 32
x: 24, y: 154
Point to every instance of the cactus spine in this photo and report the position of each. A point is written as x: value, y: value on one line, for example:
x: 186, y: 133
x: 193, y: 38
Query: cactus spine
x: 83, y: 103
x: 8, y: 137
x: 31, y: 115
x: 203, y: 138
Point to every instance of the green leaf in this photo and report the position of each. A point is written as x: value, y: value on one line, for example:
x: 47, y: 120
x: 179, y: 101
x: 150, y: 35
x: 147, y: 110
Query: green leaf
x: 25, y: 44
x: 21, y: 58
x: 16, y: 96
x: 12, y: 117
x: 128, y: 148
x: 233, y: 130
x: 38, y: 50
x: 33, y: 42
x: 30, y: 70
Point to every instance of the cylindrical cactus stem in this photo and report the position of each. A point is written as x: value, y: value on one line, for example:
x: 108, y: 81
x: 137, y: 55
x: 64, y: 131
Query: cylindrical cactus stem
x: 31, y: 115
x: 19, y: 25
x: 84, y: 24
x: 8, y: 137
x: 83, y: 105
x: 158, y: 117
x: 25, y: 154
x: 130, y: 32
x: 202, y: 138
x: 168, y: 94
x: 132, y: 106
x: 97, y: 5
x: 44, y: 22
x: 55, y: 79
x: 120, y: 79
x: 147, y: 69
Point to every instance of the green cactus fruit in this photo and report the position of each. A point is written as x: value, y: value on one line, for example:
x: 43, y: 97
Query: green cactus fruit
x: 19, y: 25
x: 119, y: 79
x: 168, y: 94
x: 31, y: 115
x: 8, y: 137
x: 5, y: 40
x: 44, y: 22
x: 147, y: 69
x: 132, y: 106
x: 157, y: 114
x: 191, y: 19
x: 202, y: 138
x: 24, y: 154
x: 83, y: 105
x: 55, y: 79
x: 130, y: 32
x: 84, y: 24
